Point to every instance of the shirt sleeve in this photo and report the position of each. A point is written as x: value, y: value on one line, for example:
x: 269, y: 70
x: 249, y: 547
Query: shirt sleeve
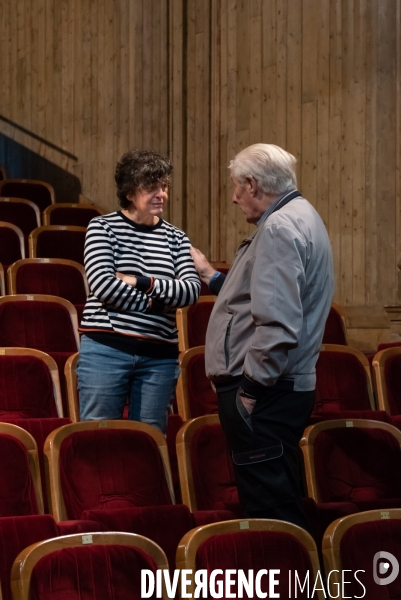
x: 101, y: 272
x: 181, y: 291
x: 277, y: 286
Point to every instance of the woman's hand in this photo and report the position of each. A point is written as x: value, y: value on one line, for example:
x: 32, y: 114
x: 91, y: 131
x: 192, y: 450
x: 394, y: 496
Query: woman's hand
x: 128, y: 279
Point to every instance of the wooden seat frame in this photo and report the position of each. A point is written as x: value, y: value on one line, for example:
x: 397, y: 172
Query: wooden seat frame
x: 52, y: 455
x: 362, y: 359
x: 33, y: 457
x: 2, y: 281
x: 182, y: 322
x: 182, y: 383
x: 48, y: 186
x: 47, y: 298
x: 24, y: 201
x: 189, y: 544
x: 379, y: 362
x: 338, y: 308
x: 24, y: 564
x: 47, y: 212
x: 13, y: 269
x: 33, y: 236
x: 331, y: 544
x: 311, y: 433
x: 51, y: 365
x: 72, y: 387
x: 183, y: 447
x: 18, y: 232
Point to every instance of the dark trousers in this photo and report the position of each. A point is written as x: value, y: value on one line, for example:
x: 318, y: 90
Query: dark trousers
x: 265, y: 450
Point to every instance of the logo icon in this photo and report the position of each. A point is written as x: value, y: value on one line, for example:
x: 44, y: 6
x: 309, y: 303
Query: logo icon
x: 381, y: 568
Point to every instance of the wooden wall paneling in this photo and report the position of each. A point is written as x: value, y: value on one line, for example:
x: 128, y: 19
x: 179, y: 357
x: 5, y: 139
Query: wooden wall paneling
x: 371, y: 241
x: 386, y: 152
x: 122, y: 34
x: 281, y: 74
x: 79, y: 91
x: 67, y: 83
x: 136, y: 75
x: 269, y: 61
x: 358, y: 163
x: 95, y: 192
x: 49, y: 152
x: 398, y: 148
x: 5, y: 49
x: 294, y: 83
x: 147, y: 74
x: 102, y: 106
x: 201, y: 147
x: 111, y: 8
x: 347, y: 151
x: 189, y: 223
x: 57, y: 72
x: 162, y: 90
x: 218, y: 81
x: 323, y: 108
x: 255, y: 75
x: 177, y: 112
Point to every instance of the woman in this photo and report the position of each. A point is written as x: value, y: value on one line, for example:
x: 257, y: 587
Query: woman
x: 139, y: 270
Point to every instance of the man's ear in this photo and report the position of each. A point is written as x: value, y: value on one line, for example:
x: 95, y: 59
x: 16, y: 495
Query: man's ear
x: 253, y: 186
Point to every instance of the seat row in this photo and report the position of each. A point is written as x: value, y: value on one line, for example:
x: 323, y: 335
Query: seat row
x: 275, y: 558
x: 117, y: 475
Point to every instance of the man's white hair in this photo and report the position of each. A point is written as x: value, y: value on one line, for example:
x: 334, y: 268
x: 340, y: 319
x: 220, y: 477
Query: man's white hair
x: 272, y: 167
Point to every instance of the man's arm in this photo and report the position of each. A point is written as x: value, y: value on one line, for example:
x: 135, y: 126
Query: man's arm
x: 277, y: 285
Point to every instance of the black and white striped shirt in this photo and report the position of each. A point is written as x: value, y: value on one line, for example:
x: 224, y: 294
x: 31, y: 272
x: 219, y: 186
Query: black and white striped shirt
x: 158, y: 256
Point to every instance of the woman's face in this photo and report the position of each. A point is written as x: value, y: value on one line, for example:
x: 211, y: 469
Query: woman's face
x: 149, y: 203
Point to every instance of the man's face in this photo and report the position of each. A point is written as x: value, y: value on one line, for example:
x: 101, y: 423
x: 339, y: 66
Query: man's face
x: 244, y: 195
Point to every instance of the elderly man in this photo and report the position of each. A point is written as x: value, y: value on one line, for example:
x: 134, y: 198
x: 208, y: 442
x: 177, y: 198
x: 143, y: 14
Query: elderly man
x: 266, y: 329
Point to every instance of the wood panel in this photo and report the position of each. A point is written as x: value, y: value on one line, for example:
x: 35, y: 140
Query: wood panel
x: 200, y: 80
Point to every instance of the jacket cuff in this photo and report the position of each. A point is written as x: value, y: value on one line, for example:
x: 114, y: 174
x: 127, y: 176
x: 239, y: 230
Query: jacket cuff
x: 144, y: 284
x: 216, y: 282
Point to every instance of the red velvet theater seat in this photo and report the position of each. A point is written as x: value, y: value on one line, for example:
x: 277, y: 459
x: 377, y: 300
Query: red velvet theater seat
x: 350, y: 544
x: 252, y: 545
x: 12, y: 245
x: 58, y: 241
x: 195, y: 395
x: 387, y: 368
x: 206, y: 472
x: 39, y: 192
x: 20, y: 484
x: 22, y: 213
x: 17, y: 533
x: 355, y: 461
x: 29, y: 384
x: 101, y: 465
x: 334, y: 331
x: 46, y: 323
x: 343, y: 385
x: 99, y: 565
x: 71, y: 214
x: 192, y: 323
x: 54, y: 276
x: 165, y: 525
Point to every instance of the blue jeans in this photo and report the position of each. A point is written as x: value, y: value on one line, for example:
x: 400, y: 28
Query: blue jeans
x: 108, y: 377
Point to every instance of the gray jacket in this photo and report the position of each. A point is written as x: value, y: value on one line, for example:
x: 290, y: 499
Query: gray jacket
x: 269, y: 317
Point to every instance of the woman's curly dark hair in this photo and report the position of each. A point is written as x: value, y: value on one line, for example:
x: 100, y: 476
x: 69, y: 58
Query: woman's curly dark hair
x: 140, y: 170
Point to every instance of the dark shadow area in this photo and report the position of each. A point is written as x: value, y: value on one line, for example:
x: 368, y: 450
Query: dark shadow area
x: 22, y: 163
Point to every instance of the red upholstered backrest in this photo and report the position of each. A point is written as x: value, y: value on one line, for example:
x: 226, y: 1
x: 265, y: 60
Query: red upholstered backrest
x: 20, y: 214
x: 388, y: 345
x: 202, y: 398
x: 17, y: 492
x: 334, y: 329
x: 79, y: 217
x: 39, y: 194
x: 258, y: 550
x: 54, y: 279
x: 45, y: 326
x: 39, y: 430
x: 165, y: 525
x: 26, y: 388
x: 392, y: 376
x: 90, y: 571
x: 197, y: 320
x: 353, y: 465
x: 10, y: 247
x: 358, y: 547
x: 110, y: 468
x: 213, y: 473
x: 61, y: 244
x: 341, y: 383
x: 17, y: 533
